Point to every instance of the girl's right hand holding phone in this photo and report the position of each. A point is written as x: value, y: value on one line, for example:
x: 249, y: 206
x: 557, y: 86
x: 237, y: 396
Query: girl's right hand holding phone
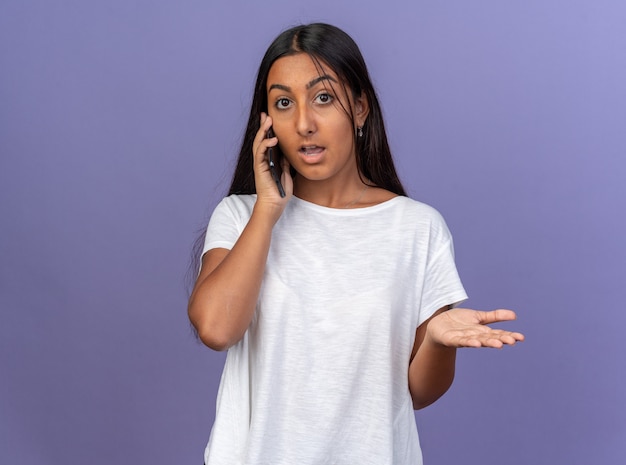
x: 224, y: 298
x: 268, y: 196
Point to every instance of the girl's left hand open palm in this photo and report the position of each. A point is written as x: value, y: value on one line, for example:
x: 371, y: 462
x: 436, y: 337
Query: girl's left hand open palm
x: 463, y: 327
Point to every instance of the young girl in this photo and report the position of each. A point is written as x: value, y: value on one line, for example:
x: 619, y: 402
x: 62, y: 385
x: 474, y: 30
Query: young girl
x: 335, y: 302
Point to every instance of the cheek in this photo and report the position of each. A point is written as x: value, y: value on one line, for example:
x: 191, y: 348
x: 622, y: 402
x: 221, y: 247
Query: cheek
x: 285, y: 134
x: 345, y: 134
x: 283, y: 139
x: 288, y: 145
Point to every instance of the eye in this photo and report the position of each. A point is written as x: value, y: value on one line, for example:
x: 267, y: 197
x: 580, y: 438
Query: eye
x: 324, y: 98
x: 282, y: 103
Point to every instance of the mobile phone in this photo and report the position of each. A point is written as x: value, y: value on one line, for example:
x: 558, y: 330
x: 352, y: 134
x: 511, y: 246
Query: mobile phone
x: 273, y: 162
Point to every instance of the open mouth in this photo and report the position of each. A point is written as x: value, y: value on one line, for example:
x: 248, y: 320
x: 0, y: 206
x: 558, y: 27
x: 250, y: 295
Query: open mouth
x: 311, y: 150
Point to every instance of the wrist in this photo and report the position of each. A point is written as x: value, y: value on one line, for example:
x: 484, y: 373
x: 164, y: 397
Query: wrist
x: 435, y: 344
x: 266, y: 213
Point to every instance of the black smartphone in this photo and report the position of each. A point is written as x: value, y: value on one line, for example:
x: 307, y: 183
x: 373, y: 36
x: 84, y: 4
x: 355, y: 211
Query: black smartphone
x: 274, y: 162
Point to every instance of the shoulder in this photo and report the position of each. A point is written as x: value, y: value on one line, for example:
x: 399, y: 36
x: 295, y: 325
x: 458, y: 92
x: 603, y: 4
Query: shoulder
x: 234, y: 210
x: 425, y: 219
x: 237, y: 205
x: 381, y: 196
x: 239, y: 200
x: 418, y: 209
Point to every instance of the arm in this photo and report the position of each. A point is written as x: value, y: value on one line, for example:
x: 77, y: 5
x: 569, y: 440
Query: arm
x: 431, y: 369
x: 224, y: 297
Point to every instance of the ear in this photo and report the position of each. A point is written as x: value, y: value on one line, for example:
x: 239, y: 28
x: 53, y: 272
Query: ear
x: 361, y: 109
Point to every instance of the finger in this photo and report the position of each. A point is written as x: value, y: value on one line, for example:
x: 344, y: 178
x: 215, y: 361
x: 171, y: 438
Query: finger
x: 490, y: 342
x: 259, y: 145
x: 499, y: 339
x: 260, y: 134
x: 472, y: 343
x: 503, y: 335
x: 495, y: 316
x: 493, y: 343
x: 267, y: 122
x: 508, y: 339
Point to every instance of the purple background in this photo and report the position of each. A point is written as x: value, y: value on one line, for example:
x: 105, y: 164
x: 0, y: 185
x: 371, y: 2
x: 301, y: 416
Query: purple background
x: 118, y: 124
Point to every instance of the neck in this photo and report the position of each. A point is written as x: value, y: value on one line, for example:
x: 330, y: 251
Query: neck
x: 330, y: 194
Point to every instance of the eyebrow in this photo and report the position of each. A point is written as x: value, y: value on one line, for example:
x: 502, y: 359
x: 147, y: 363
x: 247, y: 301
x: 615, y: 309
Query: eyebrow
x: 310, y: 84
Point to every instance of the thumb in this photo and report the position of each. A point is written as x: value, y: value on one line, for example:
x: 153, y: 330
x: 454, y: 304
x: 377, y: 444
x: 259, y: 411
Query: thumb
x: 501, y: 314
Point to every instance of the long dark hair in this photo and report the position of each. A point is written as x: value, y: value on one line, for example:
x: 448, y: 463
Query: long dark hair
x: 331, y: 46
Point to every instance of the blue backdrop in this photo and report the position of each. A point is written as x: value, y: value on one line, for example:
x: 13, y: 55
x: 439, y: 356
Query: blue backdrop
x: 119, y: 121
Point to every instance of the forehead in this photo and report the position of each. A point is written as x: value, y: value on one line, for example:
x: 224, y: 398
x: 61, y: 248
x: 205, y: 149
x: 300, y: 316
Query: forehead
x: 298, y: 70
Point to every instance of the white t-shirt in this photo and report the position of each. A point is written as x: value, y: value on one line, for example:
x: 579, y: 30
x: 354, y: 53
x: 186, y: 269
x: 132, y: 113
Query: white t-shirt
x: 321, y: 375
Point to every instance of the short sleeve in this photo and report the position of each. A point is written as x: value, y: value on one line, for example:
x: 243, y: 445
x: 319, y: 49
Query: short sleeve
x: 442, y: 284
x: 227, y: 222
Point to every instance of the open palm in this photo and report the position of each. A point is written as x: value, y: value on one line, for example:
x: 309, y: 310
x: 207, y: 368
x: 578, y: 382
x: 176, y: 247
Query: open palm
x: 463, y: 327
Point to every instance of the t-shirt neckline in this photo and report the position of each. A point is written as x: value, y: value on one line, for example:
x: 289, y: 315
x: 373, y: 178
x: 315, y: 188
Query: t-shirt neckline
x: 345, y: 211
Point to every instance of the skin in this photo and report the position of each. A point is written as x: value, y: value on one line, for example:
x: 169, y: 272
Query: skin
x: 315, y: 134
x: 316, y: 137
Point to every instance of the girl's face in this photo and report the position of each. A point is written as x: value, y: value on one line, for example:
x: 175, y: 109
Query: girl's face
x: 307, y: 104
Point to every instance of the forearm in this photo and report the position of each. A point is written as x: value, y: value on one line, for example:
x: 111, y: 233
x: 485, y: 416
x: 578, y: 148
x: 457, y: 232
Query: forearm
x: 431, y: 370
x: 223, y: 302
x: 431, y: 373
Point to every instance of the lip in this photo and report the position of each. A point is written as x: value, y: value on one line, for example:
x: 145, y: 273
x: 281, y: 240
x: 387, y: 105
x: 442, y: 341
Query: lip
x: 312, y: 153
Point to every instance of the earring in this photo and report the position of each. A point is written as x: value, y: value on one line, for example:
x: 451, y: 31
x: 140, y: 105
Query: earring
x: 360, y: 131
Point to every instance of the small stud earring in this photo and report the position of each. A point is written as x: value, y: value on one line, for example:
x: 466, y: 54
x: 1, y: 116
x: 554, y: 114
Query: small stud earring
x: 360, y: 131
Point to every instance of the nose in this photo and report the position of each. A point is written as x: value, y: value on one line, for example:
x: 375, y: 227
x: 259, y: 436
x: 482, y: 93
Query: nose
x: 305, y: 121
